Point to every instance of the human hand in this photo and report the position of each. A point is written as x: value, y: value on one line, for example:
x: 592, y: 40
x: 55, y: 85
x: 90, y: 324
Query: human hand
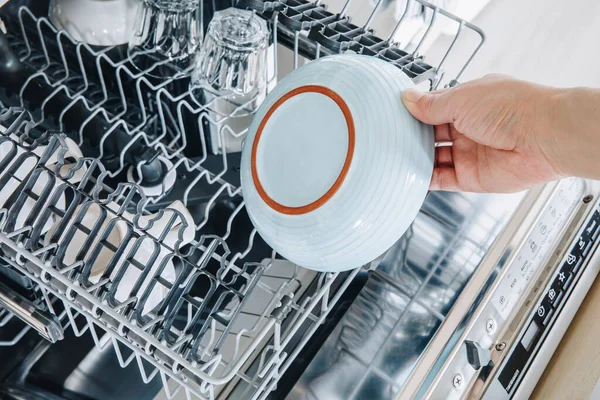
x: 503, y: 134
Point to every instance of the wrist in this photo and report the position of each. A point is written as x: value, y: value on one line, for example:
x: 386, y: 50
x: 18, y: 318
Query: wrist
x: 549, y: 126
x: 573, y: 140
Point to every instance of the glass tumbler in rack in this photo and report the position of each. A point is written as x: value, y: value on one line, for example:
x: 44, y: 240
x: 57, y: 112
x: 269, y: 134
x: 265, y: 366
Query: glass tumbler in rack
x: 232, y: 62
x: 166, y: 36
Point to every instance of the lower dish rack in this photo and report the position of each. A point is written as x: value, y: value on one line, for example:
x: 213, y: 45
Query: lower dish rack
x: 215, y: 316
x: 234, y: 314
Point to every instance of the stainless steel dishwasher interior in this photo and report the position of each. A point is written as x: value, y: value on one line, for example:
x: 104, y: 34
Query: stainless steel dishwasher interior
x: 373, y: 349
x: 269, y: 328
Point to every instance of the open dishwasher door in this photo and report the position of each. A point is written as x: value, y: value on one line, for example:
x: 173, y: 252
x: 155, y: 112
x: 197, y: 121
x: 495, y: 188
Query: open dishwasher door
x: 478, y: 320
x: 91, y: 146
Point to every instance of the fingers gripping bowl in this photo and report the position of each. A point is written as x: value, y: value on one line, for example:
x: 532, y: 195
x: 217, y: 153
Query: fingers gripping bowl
x: 334, y: 168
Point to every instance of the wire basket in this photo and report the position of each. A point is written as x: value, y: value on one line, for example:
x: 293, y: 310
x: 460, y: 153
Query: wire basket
x: 234, y: 314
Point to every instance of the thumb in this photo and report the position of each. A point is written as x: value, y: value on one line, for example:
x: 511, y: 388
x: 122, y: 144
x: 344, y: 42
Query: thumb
x: 434, y: 108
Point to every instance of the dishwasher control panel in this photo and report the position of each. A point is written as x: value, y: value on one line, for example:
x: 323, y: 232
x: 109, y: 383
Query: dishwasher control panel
x: 549, y: 306
x: 539, y: 244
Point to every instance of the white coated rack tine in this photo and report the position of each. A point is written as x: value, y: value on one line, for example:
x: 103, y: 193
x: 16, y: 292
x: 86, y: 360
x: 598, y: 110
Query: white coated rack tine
x: 459, y: 30
x: 25, y: 10
x: 345, y: 8
x: 211, y: 366
x: 209, y: 205
x: 5, y: 318
x: 100, y: 344
x: 153, y: 322
x: 100, y: 283
x: 48, y: 300
x: 146, y: 378
x: 45, y: 249
x: 270, y: 379
x: 71, y: 267
x: 427, y: 31
x: 17, y: 338
x: 18, y: 232
x: 325, y: 300
x: 182, y: 340
x: 250, y: 243
x: 76, y: 330
x: 372, y: 15
x: 167, y: 387
x: 122, y: 361
x: 400, y: 21
x: 296, y: 44
x: 211, y: 340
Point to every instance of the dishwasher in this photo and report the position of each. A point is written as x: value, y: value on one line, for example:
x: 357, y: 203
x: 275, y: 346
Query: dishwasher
x: 470, y: 303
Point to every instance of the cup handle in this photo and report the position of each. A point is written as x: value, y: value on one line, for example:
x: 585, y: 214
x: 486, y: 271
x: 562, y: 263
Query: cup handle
x: 159, y: 225
x: 189, y: 231
x: 73, y: 151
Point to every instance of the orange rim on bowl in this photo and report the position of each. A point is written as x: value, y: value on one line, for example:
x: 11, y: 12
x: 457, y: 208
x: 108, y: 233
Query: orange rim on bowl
x: 348, y: 160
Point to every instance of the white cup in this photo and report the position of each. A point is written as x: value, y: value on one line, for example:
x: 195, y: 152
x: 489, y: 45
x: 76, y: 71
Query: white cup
x: 118, y: 232
x: 96, y: 22
x: 10, y: 149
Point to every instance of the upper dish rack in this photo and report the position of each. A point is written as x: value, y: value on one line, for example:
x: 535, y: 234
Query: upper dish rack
x: 158, y: 128
x: 257, y: 311
x: 313, y: 31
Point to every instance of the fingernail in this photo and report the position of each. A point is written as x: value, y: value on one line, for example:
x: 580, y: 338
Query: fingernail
x: 411, y: 95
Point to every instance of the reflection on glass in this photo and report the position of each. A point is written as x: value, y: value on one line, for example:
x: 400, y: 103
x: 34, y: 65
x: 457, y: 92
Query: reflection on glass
x: 232, y: 62
x: 166, y: 36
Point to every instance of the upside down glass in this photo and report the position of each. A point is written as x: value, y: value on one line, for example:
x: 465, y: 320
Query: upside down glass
x: 232, y: 61
x: 166, y: 36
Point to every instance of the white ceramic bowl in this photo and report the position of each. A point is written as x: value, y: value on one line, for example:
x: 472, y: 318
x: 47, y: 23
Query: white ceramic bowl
x: 95, y: 22
x: 334, y: 168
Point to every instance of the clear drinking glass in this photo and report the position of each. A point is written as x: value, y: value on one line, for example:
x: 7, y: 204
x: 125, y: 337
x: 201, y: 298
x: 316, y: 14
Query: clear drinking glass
x: 232, y: 61
x: 167, y: 34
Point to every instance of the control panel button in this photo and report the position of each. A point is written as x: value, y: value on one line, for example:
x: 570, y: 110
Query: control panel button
x: 570, y: 264
x: 592, y: 229
x: 530, y: 336
x: 558, y: 299
x: 544, y: 308
x: 592, y: 225
x: 577, y: 266
x: 548, y: 317
x: 568, y: 282
x: 561, y: 278
x: 587, y: 249
x: 541, y: 311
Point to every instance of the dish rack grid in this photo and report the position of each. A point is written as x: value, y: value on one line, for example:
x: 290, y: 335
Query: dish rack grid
x: 188, y: 353
x: 155, y: 115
